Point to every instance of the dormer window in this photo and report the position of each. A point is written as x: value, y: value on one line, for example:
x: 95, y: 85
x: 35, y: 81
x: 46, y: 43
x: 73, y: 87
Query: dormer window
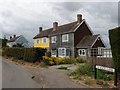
x: 54, y: 39
x: 65, y: 38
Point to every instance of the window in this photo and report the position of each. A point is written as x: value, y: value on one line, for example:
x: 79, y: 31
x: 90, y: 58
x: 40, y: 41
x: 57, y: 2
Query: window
x: 82, y: 52
x: 45, y: 40
x: 65, y: 38
x: 37, y: 41
x: 53, y: 39
x: 63, y: 52
x: 54, y: 52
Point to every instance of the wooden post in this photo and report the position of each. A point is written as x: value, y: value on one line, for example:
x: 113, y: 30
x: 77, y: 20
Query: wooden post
x: 95, y: 72
x: 115, y: 77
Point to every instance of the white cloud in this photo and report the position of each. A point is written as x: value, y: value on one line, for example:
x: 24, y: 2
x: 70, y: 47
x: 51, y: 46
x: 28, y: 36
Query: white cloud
x: 24, y: 17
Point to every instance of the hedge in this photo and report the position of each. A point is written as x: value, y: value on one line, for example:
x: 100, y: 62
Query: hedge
x: 27, y: 54
x: 114, y: 36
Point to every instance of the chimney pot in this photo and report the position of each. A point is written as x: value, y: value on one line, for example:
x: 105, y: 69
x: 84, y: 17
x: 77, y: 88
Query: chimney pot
x: 10, y: 37
x: 79, y: 18
x: 14, y: 36
x: 40, y: 29
x: 55, y: 25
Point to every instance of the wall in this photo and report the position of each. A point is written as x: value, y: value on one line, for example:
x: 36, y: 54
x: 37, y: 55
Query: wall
x: 69, y: 44
x: 82, y: 31
x: 41, y: 45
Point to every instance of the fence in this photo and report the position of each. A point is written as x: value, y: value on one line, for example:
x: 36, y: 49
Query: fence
x: 101, y: 56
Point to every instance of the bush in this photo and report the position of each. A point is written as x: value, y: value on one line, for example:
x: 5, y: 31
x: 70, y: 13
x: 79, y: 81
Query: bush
x: 68, y: 60
x: 105, y: 76
x: 49, y: 60
x: 114, y: 36
x: 28, y: 54
x: 84, y: 70
x: 58, y: 60
x: 17, y: 53
x: 81, y: 60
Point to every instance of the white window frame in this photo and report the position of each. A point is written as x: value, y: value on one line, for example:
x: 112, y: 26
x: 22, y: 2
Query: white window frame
x: 46, y: 39
x: 37, y: 40
x: 60, y: 54
x: 53, y: 39
x: 63, y: 37
x: 53, y: 55
x: 82, y: 50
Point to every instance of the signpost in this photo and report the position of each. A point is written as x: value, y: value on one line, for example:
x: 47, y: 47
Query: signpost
x: 106, y: 69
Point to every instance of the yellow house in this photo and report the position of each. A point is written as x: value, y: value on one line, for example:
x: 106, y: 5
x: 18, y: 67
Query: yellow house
x: 41, y: 40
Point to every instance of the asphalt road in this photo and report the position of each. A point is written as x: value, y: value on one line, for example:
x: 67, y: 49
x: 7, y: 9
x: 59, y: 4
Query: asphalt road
x: 14, y: 76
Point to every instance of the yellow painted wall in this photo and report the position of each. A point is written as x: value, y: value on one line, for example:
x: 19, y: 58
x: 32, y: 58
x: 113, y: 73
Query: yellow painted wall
x: 41, y: 45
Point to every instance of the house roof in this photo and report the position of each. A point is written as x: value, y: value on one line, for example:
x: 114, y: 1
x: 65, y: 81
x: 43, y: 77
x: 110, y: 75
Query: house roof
x: 87, y: 41
x: 43, y: 33
x: 66, y: 28
x: 13, y: 39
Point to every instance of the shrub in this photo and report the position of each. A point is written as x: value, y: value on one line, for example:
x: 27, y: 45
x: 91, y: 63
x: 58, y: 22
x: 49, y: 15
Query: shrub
x: 28, y: 54
x: 58, y: 60
x: 114, y: 36
x: 81, y: 60
x: 17, y: 53
x: 84, y: 70
x: 68, y: 60
x: 105, y: 76
x: 49, y: 60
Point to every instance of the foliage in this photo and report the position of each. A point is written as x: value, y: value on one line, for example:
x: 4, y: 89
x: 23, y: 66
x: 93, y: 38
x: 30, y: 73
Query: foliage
x: 63, y: 68
x: 59, y: 60
x: 4, y: 42
x: 49, y: 60
x: 68, y: 60
x: 104, y: 76
x: 17, y: 53
x: 114, y: 36
x: 27, y: 54
x: 81, y: 60
x: 85, y: 69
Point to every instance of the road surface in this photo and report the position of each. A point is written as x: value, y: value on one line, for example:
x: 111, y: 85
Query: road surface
x: 14, y: 76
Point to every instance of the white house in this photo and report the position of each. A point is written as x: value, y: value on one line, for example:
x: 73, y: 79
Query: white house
x: 17, y: 40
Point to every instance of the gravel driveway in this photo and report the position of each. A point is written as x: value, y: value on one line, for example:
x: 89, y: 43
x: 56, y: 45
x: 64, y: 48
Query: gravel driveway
x: 53, y: 78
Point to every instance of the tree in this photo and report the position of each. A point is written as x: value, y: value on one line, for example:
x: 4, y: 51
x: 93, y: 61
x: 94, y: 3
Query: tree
x: 114, y: 36
x: 3, y: 42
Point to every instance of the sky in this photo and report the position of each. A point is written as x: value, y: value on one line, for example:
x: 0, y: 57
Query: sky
x: 24, y: 17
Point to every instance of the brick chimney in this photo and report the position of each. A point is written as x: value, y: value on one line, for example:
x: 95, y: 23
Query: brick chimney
x: 79, y: 18
x: 40, y: 29
x: 55, y: 25
x: 14, y: 36
x: 10, y: 37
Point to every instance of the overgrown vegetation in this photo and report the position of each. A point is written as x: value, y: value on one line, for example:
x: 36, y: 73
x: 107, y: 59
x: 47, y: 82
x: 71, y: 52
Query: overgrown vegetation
x: 27, y: 54
x: 114, y: 36
x: 3, y: 42
x: 85, y: 70
x: 58, y: 60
